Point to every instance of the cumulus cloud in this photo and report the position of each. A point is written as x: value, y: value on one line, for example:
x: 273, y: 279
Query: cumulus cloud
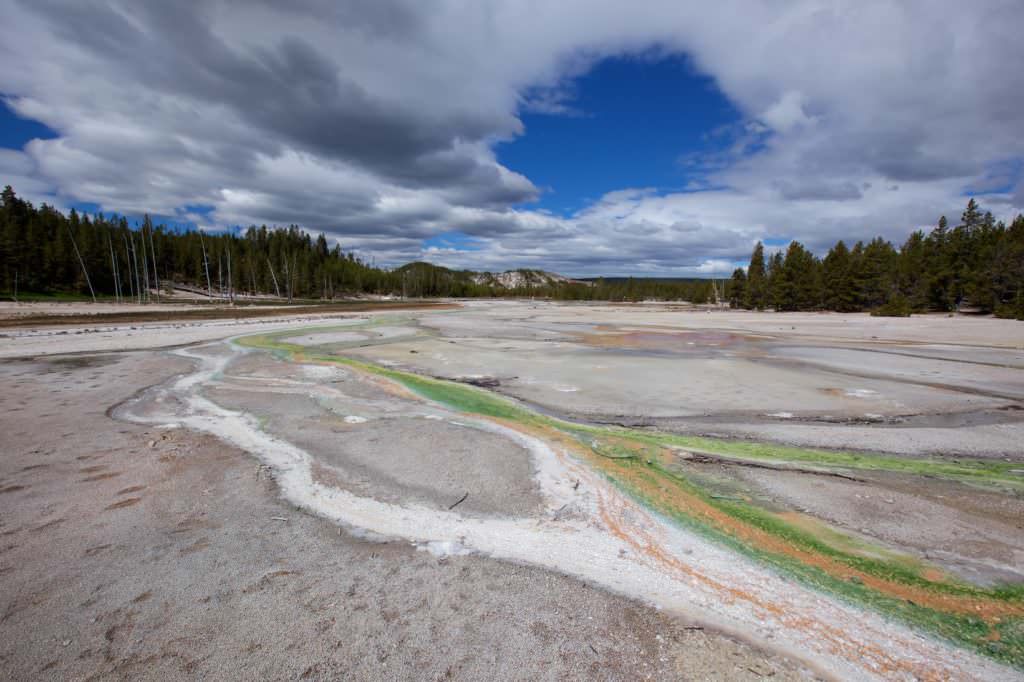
x: 787, y: 113
x: 375, y: 120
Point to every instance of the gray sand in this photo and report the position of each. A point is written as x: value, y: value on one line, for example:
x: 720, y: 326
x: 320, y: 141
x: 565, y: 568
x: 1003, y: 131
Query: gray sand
x: 134, y: 553
x: 320, y: 338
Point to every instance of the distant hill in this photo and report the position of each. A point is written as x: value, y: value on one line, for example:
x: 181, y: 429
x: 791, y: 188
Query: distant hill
x: 516, y: 279
x: 420, y: 271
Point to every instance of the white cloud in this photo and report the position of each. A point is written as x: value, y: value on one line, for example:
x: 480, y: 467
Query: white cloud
x: 787, y: 113
x: 375, y: 120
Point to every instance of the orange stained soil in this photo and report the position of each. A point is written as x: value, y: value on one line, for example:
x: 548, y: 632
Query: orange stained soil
x: 663, y: 340
x: 613, y: 509
x: 668, y: 495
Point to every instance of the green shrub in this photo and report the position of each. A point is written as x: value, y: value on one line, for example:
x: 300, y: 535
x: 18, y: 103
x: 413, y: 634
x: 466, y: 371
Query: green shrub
x: 1012, y: 311
x: 896, y: 306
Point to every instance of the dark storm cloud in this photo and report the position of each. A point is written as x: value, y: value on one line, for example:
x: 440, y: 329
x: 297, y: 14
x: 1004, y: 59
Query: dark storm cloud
x: 289, y: 92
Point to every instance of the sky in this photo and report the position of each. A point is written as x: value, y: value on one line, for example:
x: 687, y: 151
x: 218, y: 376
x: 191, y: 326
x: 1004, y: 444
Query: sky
x: 586, y: 137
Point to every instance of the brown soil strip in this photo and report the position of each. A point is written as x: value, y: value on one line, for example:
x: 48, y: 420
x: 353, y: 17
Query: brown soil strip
x: 124, y: 503
x: 213, y: 313
x: 47, y: 525
x: 100, y: 477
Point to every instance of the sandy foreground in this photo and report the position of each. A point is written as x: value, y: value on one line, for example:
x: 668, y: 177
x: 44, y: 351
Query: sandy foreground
x: 128, y: 549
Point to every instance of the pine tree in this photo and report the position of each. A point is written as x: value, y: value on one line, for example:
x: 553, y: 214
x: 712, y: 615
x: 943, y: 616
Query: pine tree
x: 911, y: 271
x: 837, y: 280
x: 1009, y: 266
x: 797, y: 282
x: 939, y: 267
x: 738, y: 289
x: 877, y: 268
x: 984, y: 268
x: 972, y: 217
x: 774, y: 284
x: 757, y: 281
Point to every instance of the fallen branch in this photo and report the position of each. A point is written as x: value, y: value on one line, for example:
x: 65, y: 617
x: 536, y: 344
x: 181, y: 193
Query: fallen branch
x: 460, y: 501
x: 708, y: 458
x: 761, y: 674
x: 278, y: 518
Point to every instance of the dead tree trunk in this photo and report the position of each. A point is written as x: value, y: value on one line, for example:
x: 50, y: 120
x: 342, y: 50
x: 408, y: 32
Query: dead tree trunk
x: 81, y: 261
x: 206, y: 266
x: 145, y: 264
x: 128, y: 259
x: 277, y: 287
x: 113, y: 269
x: 152, y: 253
x: 231, y: 290
x: 135, y: 259
x: 288, y: 279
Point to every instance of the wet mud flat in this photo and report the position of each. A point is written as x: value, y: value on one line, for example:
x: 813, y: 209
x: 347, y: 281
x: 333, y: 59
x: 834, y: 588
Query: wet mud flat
x: 929, y: 386
x: 916, y: 402
x: 757, y: 379
x: 572, y: 441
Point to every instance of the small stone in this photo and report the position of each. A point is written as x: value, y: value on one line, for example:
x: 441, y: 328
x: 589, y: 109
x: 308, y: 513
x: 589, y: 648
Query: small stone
x: 152, y: 443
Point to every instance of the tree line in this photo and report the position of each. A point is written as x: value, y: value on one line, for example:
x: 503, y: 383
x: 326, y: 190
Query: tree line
x: 42, y: 251
x: 977, y: 264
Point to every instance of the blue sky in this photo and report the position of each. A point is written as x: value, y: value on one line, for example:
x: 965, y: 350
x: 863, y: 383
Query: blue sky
x: 630, y: 123
x: 15, y: 131
x: 586, y: 137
